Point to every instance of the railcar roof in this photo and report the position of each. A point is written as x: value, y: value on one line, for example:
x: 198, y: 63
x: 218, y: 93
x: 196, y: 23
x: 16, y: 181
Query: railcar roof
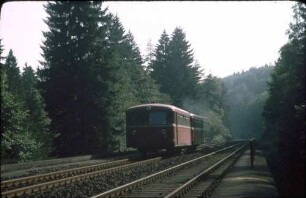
x: 197, y: 116
x: 166, y: 106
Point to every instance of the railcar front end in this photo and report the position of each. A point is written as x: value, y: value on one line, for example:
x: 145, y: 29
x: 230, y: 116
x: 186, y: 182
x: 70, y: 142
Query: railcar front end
x: 150, y: 127
x: 153, y: 127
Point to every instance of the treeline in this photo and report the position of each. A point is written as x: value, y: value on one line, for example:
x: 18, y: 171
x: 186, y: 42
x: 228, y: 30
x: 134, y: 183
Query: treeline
x: 173, y: 67
x: 91, y: 73
x: 246, y: 95
x: 24, y: 123
x: 284, y: 111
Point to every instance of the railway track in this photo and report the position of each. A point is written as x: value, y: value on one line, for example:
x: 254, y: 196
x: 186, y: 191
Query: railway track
x: 87, y: 181
x: 29, y: 185
x: 177, y: 181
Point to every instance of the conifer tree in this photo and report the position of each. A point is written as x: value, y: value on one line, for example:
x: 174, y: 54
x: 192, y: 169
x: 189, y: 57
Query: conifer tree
x: 125, y: 79
x: 174, y: 69
x: 158, y: 66
x: 13, y: 73
x: 37, y: 124
x: 70, y: 75
x: 17, y: 143
x: 179, y: 68
x: 12, y: 124
x: 118, y: 92
x: 144, y: 87
x: 284, y: 110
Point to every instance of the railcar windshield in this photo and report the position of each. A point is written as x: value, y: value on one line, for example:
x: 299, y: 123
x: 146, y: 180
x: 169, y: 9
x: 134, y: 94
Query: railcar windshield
x: 143, y: 118
x: 157, y: 118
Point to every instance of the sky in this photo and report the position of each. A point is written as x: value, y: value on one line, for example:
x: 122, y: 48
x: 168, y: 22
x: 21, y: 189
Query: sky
x: 226, y: 37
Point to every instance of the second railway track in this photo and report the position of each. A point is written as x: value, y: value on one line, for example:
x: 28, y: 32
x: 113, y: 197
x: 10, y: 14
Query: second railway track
x: 32, y: 184
x: 107, y: 182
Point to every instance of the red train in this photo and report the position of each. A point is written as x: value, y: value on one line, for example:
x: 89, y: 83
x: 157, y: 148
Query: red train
x: 153, y: 127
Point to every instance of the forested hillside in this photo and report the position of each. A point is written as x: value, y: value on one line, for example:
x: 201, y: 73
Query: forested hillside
x: 245, y: 97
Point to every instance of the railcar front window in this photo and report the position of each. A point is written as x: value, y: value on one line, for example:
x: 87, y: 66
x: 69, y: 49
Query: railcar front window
x: 157, y: 118
x: 138, y: 119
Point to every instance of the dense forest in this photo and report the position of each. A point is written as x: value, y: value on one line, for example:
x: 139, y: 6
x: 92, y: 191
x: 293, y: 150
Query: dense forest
x: 284, y: 111
x: 269, y: 103
x: 91, y: 72
x: 245, y: 97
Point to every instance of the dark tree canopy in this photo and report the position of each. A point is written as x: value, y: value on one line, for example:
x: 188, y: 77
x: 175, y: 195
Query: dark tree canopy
x: 173, y: 67
x: 91, y: 74
x: 284, y: 110
x: 69, y: 76
x: 24, y: 123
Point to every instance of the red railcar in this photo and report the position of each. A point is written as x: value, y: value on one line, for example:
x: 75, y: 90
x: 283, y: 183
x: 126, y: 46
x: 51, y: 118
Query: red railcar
x: 152, y: 127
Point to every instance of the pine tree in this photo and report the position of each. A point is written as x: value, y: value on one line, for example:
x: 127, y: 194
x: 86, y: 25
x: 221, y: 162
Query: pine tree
x: 133, y: 50
x: 174, y: 69
x: 13, y: 73
x: 38, y: 122
x: 17, y: 143
x: 115, y: 82
x: 160, y: 62
x: 12, y: 123
x: 69, y: 77
x: 144, y: 87
x: 180, y: 68
x: 125, y: 79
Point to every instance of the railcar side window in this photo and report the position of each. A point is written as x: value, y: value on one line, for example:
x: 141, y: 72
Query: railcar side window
x: 183, y: 120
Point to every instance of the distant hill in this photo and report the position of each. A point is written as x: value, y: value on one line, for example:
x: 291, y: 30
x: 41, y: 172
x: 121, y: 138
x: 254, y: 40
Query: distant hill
x: 245, y: 97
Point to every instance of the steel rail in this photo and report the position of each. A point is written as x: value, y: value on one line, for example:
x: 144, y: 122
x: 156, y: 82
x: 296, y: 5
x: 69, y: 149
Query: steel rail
x: 188, y: 185
x: 47, y: 185
x: 64, y: 173
x: 124, y: 188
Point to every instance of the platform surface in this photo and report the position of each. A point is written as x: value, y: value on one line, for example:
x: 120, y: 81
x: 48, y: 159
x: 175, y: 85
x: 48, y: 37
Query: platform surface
x: 244, y: 181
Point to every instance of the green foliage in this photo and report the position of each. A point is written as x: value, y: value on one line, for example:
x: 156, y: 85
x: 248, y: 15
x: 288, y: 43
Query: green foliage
x: 211, y: 96
x: 37, y: 124
x: 245, y: 97
x: 12, y: 119
x: 13, y: 74
x: 173, y: 69
x: 129, y: 83
x: 160, y: 61
x: 284, y: 110
x: 71, y: 73
x: 217, y: 132
x: 24, y: 124
x: 179, y: 76
x: 91, y: 74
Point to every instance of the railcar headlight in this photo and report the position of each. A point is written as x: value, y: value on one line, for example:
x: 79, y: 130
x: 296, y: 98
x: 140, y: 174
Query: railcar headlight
x: 133, y: 132
x: 164, y: 132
